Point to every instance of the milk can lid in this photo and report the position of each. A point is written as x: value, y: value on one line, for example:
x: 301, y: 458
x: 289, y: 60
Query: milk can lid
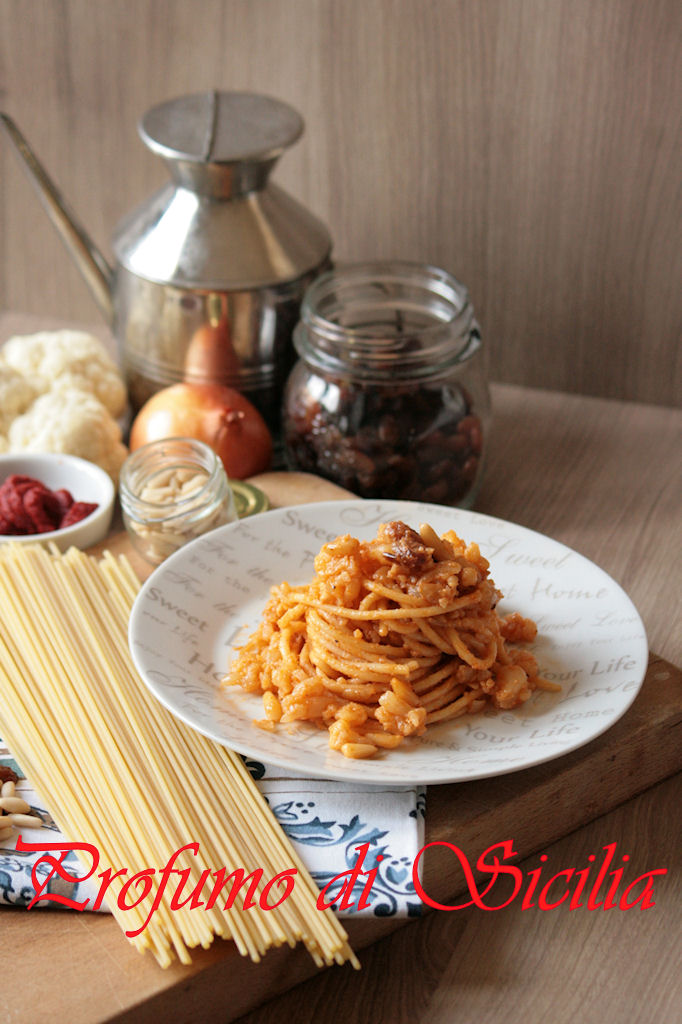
x: 221, y: 127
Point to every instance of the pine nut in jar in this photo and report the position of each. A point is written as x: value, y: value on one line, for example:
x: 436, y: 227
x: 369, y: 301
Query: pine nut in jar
x: 172, y: 491
x: 389, y: 396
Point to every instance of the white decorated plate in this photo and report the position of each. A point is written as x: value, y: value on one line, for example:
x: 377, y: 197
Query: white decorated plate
x: 207, y: 598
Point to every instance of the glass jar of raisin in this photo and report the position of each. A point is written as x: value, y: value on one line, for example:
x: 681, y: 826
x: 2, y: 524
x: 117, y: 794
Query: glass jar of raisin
x: 389, y: 397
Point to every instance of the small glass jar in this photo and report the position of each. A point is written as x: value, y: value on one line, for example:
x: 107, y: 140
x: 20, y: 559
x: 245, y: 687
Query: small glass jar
x: 389, y: 397
x: 172, y: 491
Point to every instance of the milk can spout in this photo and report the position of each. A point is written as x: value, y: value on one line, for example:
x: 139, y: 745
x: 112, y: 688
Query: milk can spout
x: 89, y: 260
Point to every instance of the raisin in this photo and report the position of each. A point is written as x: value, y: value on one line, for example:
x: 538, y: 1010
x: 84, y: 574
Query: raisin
x: 405, y: 442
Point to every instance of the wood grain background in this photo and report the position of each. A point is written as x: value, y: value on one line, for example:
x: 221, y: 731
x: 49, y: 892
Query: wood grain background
x: 531, y: 147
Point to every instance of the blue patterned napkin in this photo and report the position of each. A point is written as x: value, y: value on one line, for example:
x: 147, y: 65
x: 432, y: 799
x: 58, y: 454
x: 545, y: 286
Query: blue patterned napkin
x: 326, y: 822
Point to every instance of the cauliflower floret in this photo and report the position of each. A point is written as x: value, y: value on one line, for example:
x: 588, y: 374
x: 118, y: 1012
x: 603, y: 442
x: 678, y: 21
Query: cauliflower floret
x: 68, y: 359
x: 16, y: 394
x: 71, y: 422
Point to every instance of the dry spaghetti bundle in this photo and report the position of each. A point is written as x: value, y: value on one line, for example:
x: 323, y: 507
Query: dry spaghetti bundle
x: 119, y: 772
x: 389, y: 637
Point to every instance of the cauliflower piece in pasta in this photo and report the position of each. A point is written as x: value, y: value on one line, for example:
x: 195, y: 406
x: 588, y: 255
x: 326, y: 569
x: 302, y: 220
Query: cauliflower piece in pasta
x: 71, y: 422
x: 67, y: 359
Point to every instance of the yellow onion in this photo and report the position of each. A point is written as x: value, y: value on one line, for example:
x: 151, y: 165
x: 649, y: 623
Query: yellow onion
x: 220, y: 416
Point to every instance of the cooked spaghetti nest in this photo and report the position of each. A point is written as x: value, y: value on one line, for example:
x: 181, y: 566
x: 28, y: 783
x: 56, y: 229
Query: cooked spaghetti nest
x: 390, y: 636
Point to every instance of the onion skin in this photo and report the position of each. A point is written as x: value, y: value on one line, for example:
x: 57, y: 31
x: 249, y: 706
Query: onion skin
x: 220, y: 416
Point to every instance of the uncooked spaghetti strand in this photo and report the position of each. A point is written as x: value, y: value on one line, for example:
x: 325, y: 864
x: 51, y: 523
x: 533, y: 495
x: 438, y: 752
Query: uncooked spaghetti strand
x: 106, y: 635
x: 116, y: 753
x: 28, y: 715
x: 185, y: 769
x: 214, y: 755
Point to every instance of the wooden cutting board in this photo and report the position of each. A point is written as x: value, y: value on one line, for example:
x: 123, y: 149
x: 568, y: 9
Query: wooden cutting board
x: 533, y: 808
x: 539, y: 805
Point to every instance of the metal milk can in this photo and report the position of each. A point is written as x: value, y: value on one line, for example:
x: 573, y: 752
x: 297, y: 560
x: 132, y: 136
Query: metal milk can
x: 210, y: 271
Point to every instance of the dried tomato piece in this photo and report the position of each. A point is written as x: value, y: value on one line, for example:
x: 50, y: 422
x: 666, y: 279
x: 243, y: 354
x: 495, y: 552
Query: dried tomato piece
x: 79, y: 510
x: 27, y: 506
x: 19, y: 482
x: 44, y: 510
x: 65, y: 501
x: 12, y: 507
x: 7, y: 526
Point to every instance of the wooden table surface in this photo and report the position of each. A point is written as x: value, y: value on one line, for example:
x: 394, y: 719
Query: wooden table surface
x: 605, y: 478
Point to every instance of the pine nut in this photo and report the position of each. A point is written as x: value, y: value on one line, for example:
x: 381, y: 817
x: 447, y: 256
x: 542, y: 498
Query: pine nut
x: 25, y: 821
x: 358, y: 750
x: 164, y: 477
x: 394, y: 705
x: 195, y: 483
x: 14, y: 805
x: 272, y: 706
x: 404, y: 691
x: 8, y: 788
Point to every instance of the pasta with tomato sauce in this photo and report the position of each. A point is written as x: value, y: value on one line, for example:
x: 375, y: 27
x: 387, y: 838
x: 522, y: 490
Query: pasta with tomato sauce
x: 391, y: 636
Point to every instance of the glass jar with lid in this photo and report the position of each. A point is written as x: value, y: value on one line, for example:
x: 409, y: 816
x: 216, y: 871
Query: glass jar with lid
x: 389, y: 396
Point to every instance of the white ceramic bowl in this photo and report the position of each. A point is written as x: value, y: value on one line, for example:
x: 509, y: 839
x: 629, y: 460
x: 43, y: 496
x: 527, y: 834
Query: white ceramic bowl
x: 85, y: 481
